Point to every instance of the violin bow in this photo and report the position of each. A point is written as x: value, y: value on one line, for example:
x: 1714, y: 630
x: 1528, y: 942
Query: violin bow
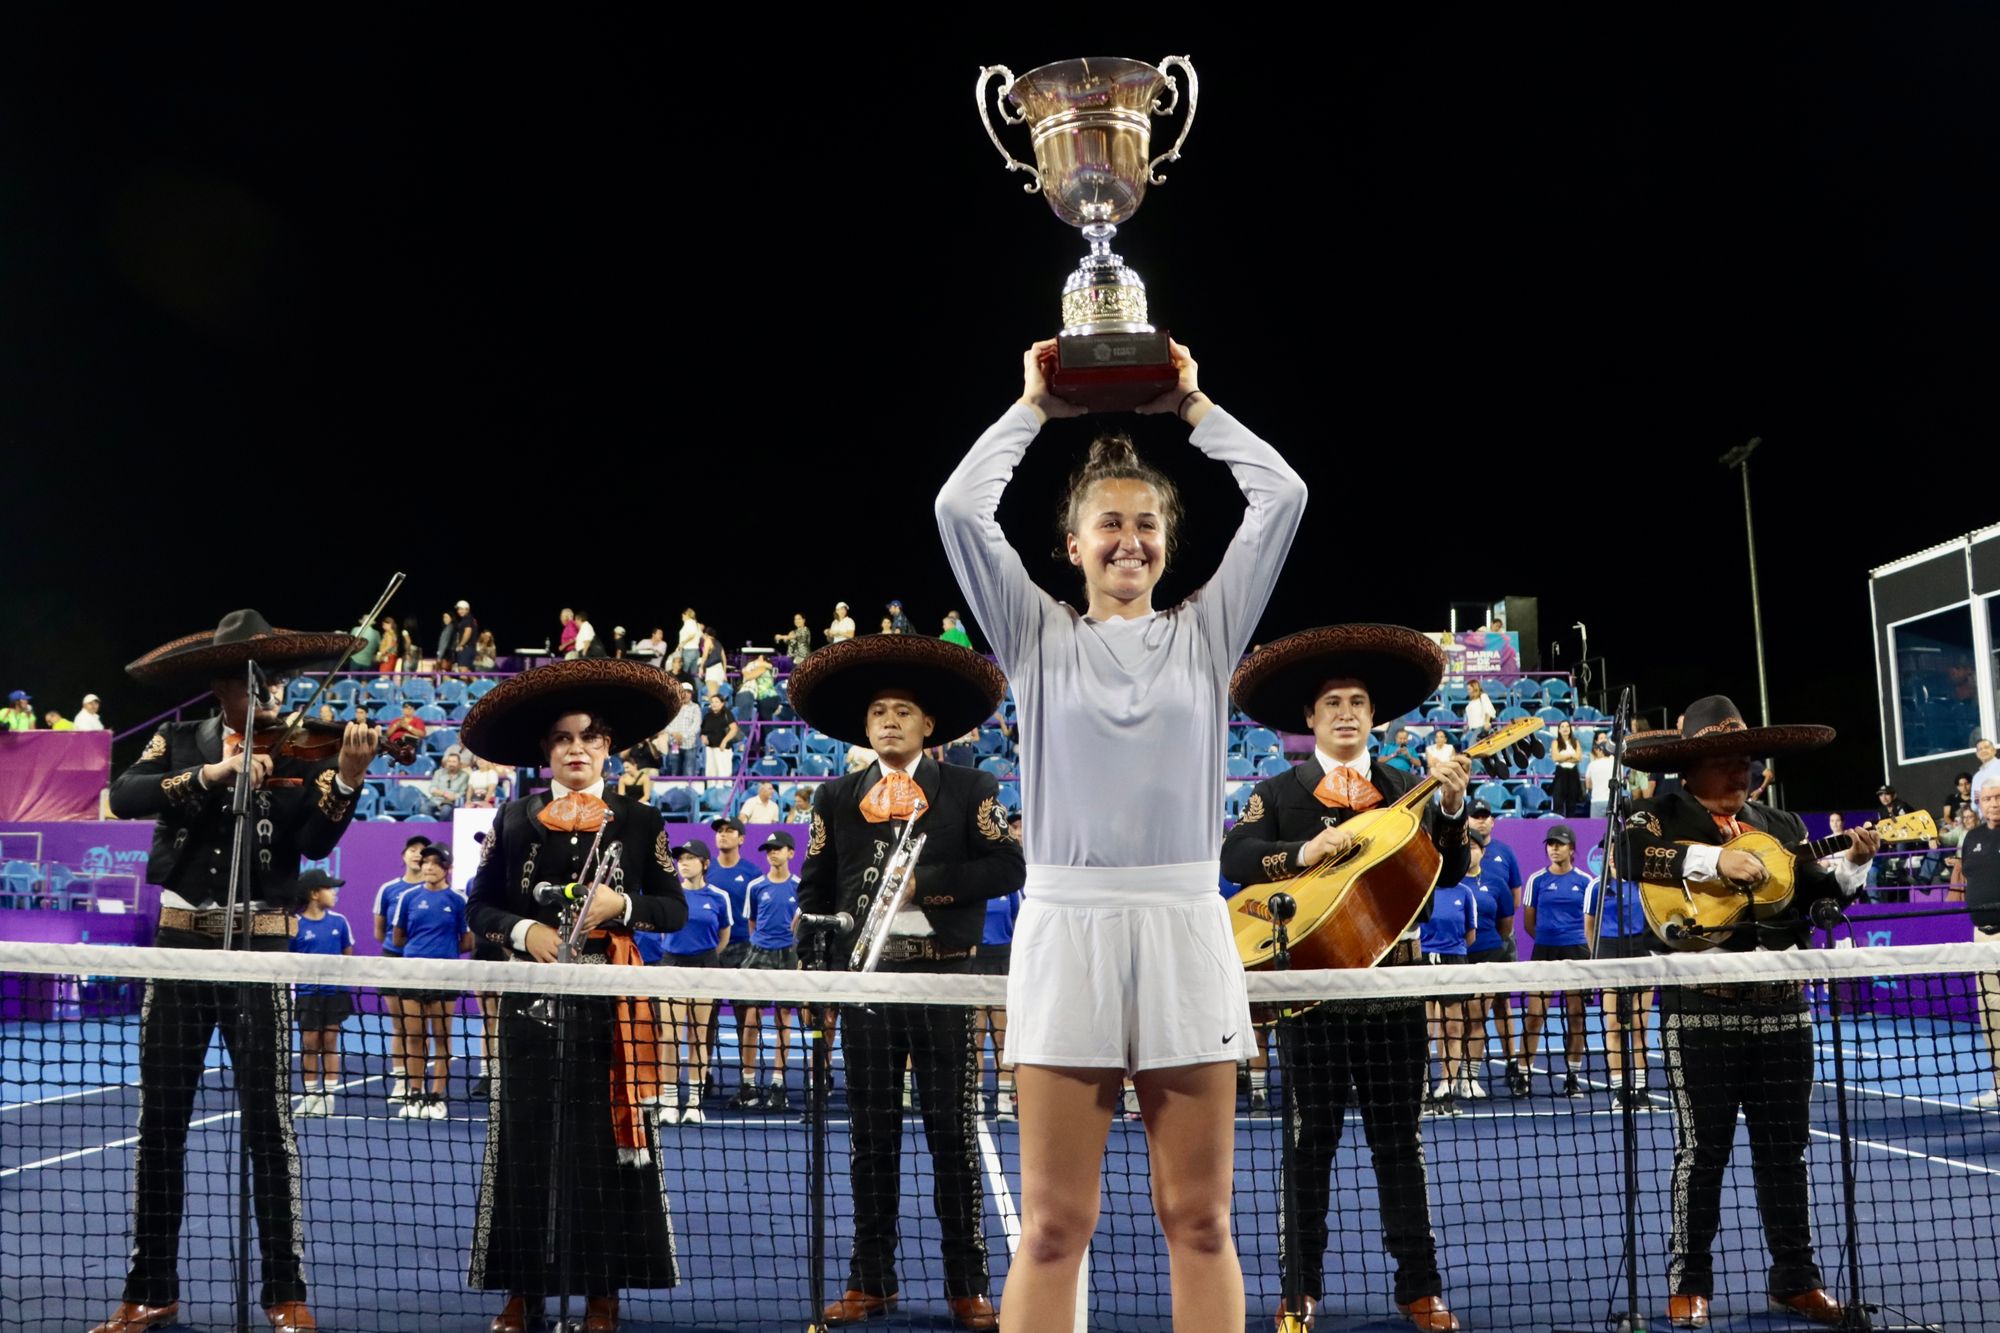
x: 299, y: 716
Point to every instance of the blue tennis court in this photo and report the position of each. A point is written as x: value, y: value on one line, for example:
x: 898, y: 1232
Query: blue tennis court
x: 1524, y: 1201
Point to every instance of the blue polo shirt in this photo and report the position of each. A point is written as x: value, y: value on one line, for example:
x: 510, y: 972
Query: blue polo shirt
x: 734, y: 881
x: 773, y: 904
x: 1559, y: 902
x: 1454, y: 913
x: 708, y: 917
x: 433, y: 921
x: 1496, y: 903
x: 386, y: 899
x: 330, y: 936
x: 1624, y: 914
x: 1498, y: 867
x: 1001, y: 913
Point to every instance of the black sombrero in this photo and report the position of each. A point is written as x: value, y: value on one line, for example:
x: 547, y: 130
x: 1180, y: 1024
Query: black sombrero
x: 1400, y: 666
x: 243, y: 636
x: 628, y: 700
x: 832, y: 688
x: 1715, y: 727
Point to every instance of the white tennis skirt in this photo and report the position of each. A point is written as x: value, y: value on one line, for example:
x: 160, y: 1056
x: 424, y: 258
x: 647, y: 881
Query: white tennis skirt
x: 1125, y: 967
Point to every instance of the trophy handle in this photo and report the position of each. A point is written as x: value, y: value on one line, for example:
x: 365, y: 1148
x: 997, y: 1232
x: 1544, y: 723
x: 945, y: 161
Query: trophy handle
x: 1034, y: 185
x: 1193, y: 95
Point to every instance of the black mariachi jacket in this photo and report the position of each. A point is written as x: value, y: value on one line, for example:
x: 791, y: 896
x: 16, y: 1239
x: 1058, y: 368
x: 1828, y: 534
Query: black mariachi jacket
x: 1661, y: 824
x: 1284, y: 815
x: 520, y: 853
x: 967, y: 859
x: 300, y: 813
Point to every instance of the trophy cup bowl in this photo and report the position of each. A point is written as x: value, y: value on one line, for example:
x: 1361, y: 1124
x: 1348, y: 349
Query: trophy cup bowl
x: 1090, y: 123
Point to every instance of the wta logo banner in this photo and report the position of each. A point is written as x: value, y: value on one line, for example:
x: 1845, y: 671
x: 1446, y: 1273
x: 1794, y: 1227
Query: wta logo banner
x: 108, y: 860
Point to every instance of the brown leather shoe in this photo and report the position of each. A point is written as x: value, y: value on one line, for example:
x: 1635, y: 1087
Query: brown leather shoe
x: 289, y: 1315
x: 1431, y: 1314
x: 518, y: 1315
x: 1687, y: 1311
x: 1815, y: 1305
x: 131, y: 1317
x: 600, y: 1314
x: 975, y: 1312
x: 855, y: 1306
x: 1289, y: 1320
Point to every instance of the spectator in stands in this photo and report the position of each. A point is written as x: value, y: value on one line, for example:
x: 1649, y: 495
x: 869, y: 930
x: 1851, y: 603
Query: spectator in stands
x: 566, y: 640
x: 87, y: 718
x: 888, y: 627
x: 1954, y: 838
x: 1402, y: 756
x: 773, y: 905
x: 1892, y: 876
x: 652, y: 650
x: 1960, y: 799
x: 449, y: 786
x: 714, y: 666
x: 464, y: 636
x: 859, y: 757
x: 586, y: 644
x: 718, y: 732
x: 1566, y: 788
x: 699, y: 943
x: 1597, y: 780
x: 760, y: 680
x: 485, y: 652
x: 761, y: 808
x: 482, y: 785
x: 954, y: 631
x: 326, y: 713
x: 389, y: 656
x: 842, y: 628
x: 447, y: 638
x: 430, y: 923
x: 1440, y: 750
x: 19, y: 714
x: 371, y: 647
x: 401, y: 1012
x: 796, y: 642
x: 635, y: 782
x: 321, y: 1008
x: 682, y: 747
x: 687, y: 643
x: 1479, y: 712
x: 962, y: 750
x: 55, y: 721
x: 1989, y: 766
x: 800, y: 811
x: 898, y: 622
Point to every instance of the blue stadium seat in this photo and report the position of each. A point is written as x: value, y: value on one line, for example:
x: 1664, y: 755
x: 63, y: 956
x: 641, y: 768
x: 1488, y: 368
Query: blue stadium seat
x: 676, y: 800
x: 1585, y: 713
x: 816, y: 766
x: 430, y: 714
x: 1234, y: 801
x: 450, y: 692
x: 744, y: 707
x: 1557, y: 690
x: 1260, y: 741
x: 1527, y: 691
x: 440, y: 740
x: 479, y: 688
x: 344, y: 691
x: 716, y: 802
x: 1552, y: 715
x: 1454, y: 694
x: 18, y: 880
x: 300, y: 690
x: 1544, y: 767
x: 368, y: 801
x: 783, y: 740
x: 1530, y: 799
x: 1511, y: 713
x: 992, y: 740
x: 1000, y: 766
x: 771, y: 766
x: 1010, y: 795
x: 1240, y: 767
x: 421, y: 767
x: 1443, y: 716
x: 418, y: 690
x: 408, y: 801
x: 378, y: 766
x: 1272, y: 765
x: 1495, y: 794
x: 820, y: 743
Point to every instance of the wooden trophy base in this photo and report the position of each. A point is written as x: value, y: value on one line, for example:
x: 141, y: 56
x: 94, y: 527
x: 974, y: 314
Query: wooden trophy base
x: 1110, y: 372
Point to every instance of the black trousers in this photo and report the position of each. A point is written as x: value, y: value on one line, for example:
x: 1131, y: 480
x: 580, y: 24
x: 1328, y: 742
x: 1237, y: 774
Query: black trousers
x: 175, y: 1026
x: 1336, y: 1056
x: 1717, y: 1065
x: 936, y: 1040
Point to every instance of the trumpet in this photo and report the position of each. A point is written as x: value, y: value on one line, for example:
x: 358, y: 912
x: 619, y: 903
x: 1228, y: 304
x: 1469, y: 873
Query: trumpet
x: 892, y: 894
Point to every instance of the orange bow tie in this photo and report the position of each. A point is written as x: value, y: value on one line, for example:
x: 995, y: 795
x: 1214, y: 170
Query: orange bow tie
x: 1727, y: 824
x: 894, y: 797
x: 578, y: 812
x: 1344, y: 789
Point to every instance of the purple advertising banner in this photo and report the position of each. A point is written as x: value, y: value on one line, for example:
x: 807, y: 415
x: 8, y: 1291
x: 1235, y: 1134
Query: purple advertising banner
x: 50, y: 775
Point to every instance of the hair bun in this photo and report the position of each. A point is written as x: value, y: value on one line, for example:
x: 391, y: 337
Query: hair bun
x: 1113, y: 450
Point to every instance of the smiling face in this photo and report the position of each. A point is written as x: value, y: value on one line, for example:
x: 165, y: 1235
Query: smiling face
x: 897, y: 726
x: 1340, y: 719
x: 576, y: 748
x: 1120, y: 542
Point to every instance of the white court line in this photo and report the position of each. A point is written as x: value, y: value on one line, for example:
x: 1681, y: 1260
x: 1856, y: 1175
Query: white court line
x: 1906, y: 1152
x: 996, y: 1181
x: 88, y: 1092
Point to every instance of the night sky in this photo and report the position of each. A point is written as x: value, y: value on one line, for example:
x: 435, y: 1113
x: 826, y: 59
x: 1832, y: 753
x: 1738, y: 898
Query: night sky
x: 607, y: 312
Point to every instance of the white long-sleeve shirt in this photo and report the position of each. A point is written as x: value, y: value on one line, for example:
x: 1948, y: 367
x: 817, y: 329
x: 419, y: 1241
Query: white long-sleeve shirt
x: 1123, y: 723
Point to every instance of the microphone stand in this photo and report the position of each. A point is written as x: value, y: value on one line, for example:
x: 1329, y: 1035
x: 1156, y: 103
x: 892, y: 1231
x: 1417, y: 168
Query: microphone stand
x: 1632, y: 1318
x: 239, y: 814
x: 1827, y: 914
x: 1283, y: 908
x: 819, y: 1078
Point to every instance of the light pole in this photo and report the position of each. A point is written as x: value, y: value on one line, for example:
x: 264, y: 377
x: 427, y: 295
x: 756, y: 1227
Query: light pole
x: 1739, y: 458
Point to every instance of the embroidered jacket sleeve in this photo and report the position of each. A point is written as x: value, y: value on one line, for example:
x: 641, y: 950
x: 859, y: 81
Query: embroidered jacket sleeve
x: 656, y: 901
x: 819, y: 873
x: 995, y: 865
x: 155, y: 786
x: 1657, y: 857
x: 489, y: 899
x: 1253, y: 852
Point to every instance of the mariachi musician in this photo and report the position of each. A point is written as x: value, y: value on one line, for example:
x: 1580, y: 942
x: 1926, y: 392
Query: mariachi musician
x: 299, y: 808
x: 579, y: 1072
x: 895, y: 694
x: 1741, y: 1047
x: 1340, y: 679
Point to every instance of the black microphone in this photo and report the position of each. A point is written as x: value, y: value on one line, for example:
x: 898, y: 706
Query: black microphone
x: 1283, y: 907
x: 552, y: 895
x: 838, y: 922
x: 1826, y: 913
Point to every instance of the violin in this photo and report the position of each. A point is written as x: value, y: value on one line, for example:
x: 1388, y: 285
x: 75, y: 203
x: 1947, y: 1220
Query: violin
x: 313, y: 740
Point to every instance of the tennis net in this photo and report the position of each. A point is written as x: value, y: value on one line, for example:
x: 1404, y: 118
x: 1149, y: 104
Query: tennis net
x: 1517, y: 1218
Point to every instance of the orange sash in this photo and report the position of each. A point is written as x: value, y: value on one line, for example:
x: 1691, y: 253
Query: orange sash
x: 635, y: 1054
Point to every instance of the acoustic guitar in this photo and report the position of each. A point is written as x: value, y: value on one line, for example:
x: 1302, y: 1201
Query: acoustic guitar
x: 1701, y: 916
x: 1354, y: 906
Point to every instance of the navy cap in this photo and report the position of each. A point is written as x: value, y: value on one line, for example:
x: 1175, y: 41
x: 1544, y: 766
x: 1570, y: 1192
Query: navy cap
x: 1561, y: 833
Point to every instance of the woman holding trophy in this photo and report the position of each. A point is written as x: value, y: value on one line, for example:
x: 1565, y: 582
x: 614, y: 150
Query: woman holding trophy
x: 1123, y: 960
